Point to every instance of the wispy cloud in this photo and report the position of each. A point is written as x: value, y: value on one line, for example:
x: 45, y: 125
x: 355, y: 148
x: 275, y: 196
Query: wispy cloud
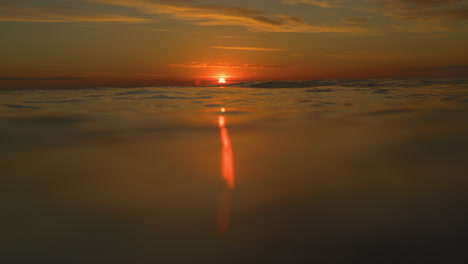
x: 425, y: 16
x: 253, y: 19
x: 319, y: 3
x: 377, y: 55
x: 421, y: 16
x: 233, y: 37
x: 58, y: 14
x: 443, y: 71
x: 357, y: 20
x: 247, y: 48
x: 408, y: 4
x: 148, y: 29
x: 209, y: 15
x: 196, y: 65
x: 15, y: 78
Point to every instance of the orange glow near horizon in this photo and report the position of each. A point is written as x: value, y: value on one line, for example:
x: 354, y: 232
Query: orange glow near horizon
x: 222, y: 81
x: 227, y: 172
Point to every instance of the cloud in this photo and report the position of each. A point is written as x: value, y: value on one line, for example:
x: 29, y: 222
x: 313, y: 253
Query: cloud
x: 406, y: 4
x: 422, y: 16
x: 148, y: 29
x: 357, y: 20
x: 425, y: 16
x: 57, y: 14
x: 196, y: 65
x: 319, y: 3
x: 448, y: 71
x: 247, y: 48
x: 233, y: 37
x: 375, y: 55
x: 292, y: 19
x: 8, y: 78
x: 210, y: 15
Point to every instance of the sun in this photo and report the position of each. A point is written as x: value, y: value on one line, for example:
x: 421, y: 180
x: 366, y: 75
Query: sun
x: 222, y: 80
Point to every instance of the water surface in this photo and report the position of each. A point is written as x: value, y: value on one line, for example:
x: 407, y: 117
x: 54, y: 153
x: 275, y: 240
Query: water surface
x: 347, y: 171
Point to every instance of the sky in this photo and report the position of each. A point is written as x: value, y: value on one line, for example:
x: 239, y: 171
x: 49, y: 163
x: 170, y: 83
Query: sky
x: 134, y: 43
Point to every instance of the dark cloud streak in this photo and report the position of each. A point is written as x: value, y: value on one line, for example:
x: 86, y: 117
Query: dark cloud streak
x: 7, y: 78
x: 195, y: 65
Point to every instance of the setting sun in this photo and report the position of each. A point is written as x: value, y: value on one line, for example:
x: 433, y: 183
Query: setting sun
x: 222, y: 80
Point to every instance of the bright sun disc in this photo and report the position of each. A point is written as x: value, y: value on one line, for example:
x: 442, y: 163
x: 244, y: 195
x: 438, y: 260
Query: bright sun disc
x: 222, y: 80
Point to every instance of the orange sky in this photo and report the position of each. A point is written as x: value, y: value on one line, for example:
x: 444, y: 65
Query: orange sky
x: 96, y: 43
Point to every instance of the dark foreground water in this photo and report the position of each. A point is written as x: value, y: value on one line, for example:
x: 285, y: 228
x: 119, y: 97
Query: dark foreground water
x: 324, y: 172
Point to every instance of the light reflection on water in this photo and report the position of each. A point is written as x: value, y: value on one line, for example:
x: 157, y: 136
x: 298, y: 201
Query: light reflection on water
x: 227, y: 156
x: 227, y: 171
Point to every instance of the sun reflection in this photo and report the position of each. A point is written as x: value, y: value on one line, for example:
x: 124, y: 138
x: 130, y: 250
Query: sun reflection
x: 227, y: 157
x: 227, y: 172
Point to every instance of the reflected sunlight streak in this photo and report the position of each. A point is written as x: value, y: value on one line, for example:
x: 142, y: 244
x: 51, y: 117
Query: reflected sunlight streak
x: 227, y: 171
x: 227, y: 157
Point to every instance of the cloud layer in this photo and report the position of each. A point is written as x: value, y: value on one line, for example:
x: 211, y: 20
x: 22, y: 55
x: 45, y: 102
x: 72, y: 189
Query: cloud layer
x: 426, y: 15
x: 57, y: 14
x: 209, y: 15
x: 421, y: 16
x: 247, y: 48
x: 197, y: 65
x: 15, y: 78
x: 320, y: 3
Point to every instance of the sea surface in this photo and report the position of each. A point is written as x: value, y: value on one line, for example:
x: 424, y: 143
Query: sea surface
x: 323, y: 171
